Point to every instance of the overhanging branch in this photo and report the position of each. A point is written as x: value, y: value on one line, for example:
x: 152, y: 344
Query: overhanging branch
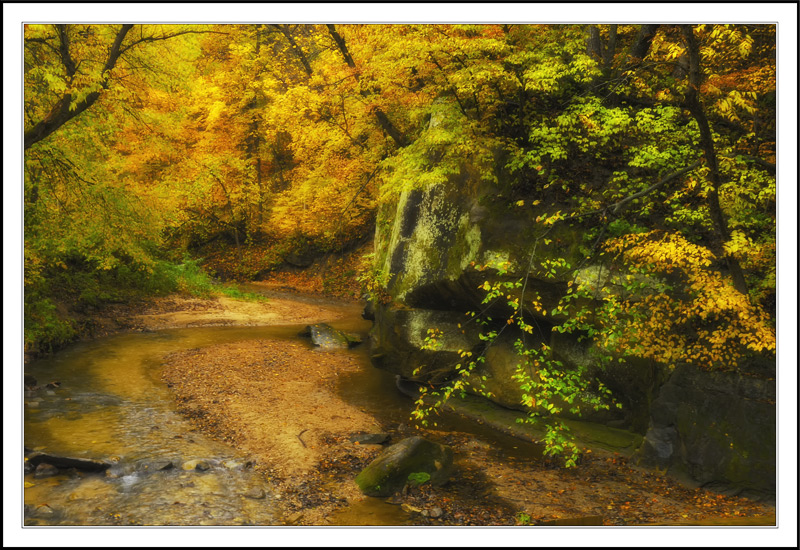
x: 617, y: 207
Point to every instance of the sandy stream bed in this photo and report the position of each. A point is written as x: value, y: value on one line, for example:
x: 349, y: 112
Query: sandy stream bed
x: 275, y: 402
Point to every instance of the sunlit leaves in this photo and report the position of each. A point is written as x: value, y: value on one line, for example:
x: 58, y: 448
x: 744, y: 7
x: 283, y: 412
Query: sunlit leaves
x: 705, y: 321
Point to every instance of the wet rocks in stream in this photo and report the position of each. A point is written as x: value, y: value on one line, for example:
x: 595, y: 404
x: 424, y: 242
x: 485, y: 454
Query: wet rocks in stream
x: 326, y: 337
x: 44, y: 470
x: 256, y: 493
x: 37, y: 459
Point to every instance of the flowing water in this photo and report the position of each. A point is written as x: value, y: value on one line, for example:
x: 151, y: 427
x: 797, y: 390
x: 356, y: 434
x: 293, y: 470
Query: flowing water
x: 111, y: 405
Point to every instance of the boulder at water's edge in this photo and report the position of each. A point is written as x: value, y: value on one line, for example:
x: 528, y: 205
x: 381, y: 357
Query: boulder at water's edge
x: 389, y: 472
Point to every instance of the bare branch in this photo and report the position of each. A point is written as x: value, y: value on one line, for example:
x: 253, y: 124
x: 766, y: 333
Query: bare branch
x: 618, y: 206
x: 146, y: 39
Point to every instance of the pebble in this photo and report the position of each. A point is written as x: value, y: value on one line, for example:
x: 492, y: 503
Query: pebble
x: 43, y: 511
x: 200, y: 465
x: 294, y: 518
x: 45, y: 470
x: 256, y: 493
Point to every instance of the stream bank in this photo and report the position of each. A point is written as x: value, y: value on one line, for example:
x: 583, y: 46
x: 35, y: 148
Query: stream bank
x: 265, y: 395
x: 294, y: 409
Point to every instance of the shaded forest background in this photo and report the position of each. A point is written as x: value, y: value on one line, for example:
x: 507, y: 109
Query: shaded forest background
x: 151, y: 150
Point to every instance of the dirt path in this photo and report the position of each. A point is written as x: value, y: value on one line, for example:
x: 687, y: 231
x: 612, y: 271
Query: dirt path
x: 276, y: 401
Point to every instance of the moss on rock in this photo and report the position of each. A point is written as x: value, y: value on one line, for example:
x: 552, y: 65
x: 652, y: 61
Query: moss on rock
x: 390, y: 471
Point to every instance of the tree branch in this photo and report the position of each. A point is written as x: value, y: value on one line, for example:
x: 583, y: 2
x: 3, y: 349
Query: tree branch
x: 617, y: 207
x: 642, y: 45
x: 284, y: 30
x: 145, y: 39
x: 63, y: 111
x: 692, y: 103
x: 63, y: 50
x: 386, y: 124
x: 340, y: 43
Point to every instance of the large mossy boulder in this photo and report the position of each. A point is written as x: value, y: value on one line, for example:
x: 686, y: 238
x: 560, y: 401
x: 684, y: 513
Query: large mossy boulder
x: 440, y: 237
x: 431, y: 245
x: 390, y: 471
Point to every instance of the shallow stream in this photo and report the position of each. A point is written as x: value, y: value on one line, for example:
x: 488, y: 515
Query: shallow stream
x: 110, y: 404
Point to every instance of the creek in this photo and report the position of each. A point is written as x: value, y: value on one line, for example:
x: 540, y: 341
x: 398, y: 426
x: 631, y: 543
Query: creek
x: 110, y: 404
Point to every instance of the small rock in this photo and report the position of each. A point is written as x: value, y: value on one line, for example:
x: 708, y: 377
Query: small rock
x: 45, y: 470
x: 256, y: 493
x: 161, y: 465
x: 327, y: 337
x: 156, y: 466
x: 232, y: 464
x: 294, y: 518
x: 198, y: 464
x: 405, y: 507
x: 390, y: 471
x: 43, y: 511
x: 370, y: 439
x: 435, y: 512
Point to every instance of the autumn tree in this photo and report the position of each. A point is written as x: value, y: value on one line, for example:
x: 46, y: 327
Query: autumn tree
x: 91, y: 232
x: 652, y: 138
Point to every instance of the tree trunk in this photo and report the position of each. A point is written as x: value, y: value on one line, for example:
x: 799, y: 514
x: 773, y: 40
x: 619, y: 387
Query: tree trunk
x: 298, y: 51
x: 383, y: 120
x: 692, y: 103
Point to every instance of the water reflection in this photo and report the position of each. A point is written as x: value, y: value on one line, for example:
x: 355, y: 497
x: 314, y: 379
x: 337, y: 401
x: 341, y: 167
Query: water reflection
x: 110, y: 405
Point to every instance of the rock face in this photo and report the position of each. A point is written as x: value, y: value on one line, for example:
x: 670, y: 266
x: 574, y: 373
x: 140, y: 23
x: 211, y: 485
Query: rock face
x: 431, y: 244
x: 716, y: 429
x: 389, y: 472
x: 431, y: 247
